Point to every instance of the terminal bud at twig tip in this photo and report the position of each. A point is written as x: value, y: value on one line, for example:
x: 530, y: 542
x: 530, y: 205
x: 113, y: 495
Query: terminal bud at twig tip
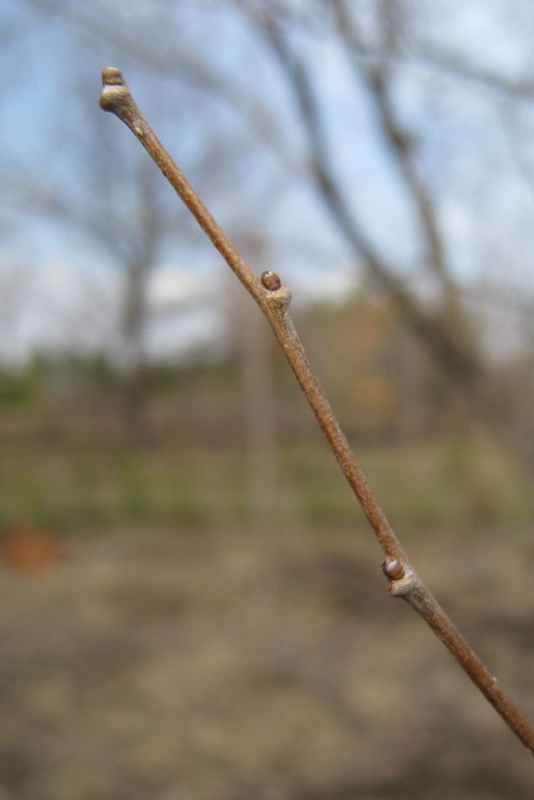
x: 111, y: 76
x: 271, y: 281
x: 115, y: 95
x: 392, y: 569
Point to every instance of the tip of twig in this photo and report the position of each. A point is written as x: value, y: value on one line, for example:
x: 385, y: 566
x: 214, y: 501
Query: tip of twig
x: 111, y: 76
x: 115, y: 92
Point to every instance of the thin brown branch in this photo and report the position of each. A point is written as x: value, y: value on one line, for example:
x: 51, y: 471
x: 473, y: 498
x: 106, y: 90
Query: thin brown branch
x: 274, y: 299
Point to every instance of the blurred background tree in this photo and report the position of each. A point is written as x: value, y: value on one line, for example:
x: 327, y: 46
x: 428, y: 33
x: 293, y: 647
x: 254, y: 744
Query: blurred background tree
x: 383, y: 152
x: 379, y: 139
x: 378, y: 156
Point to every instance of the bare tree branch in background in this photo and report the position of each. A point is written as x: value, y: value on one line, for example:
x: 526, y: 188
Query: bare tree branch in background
x: 130, y: 226
x: 450, y: 353
x: 445, y: 334
x: 379, y: 42
x: 91, y: 22
x: 378, y: 76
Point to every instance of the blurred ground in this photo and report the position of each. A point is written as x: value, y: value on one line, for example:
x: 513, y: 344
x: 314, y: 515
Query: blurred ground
x: 169, y: 662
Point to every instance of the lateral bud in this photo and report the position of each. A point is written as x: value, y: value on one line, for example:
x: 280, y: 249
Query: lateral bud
x: 271, y: 281
x: 393, y: 569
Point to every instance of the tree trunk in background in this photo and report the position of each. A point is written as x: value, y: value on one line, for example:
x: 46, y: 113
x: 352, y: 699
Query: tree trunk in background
x: 138, y: 270
x: 133, y: 354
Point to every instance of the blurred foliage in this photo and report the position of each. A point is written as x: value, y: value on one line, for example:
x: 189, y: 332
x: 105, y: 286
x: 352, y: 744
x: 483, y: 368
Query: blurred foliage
x: 16, y: 390
x: 67, y: 458
x: 83, y: 487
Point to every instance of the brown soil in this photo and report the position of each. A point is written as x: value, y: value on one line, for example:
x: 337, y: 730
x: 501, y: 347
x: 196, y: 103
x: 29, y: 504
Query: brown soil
x: 167, y: 665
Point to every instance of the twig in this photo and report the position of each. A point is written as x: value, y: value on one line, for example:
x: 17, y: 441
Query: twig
x: 274, y: 298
